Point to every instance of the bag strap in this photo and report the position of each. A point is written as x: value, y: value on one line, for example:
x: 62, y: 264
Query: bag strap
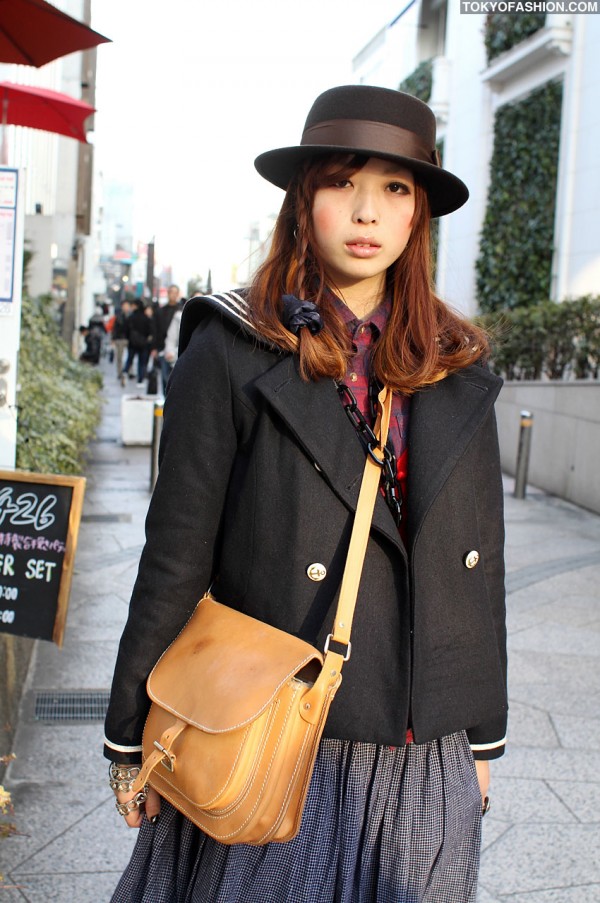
x: 330, y: 676
x: 362, y: 525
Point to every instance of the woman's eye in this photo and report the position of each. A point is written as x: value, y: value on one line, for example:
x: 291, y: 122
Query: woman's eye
x: 342, y: 183
x: 399, y: 188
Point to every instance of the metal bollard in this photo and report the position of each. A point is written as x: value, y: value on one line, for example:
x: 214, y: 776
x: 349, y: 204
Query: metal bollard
x: 523, y: 455
x: 157, y: 423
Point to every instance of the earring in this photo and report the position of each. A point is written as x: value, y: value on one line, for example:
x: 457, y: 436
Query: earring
x: 295, y: 233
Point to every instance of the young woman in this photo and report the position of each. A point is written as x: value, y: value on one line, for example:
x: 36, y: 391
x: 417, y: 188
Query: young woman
x: 260, y: 469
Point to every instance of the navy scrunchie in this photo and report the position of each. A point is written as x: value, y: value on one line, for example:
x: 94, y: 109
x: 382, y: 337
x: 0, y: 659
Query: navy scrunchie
x: 297, y: 313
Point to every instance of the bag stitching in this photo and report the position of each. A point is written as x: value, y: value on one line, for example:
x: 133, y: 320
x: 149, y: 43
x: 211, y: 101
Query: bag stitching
x: 235, y: 803
x: 210, y: 817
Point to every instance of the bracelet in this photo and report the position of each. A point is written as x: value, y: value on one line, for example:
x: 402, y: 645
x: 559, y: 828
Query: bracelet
x: 121, y: 777
x: 133, y: 804
x: 485, y: 808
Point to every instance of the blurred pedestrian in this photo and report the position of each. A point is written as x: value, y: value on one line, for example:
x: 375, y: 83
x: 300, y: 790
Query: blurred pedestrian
x: 98, y: 318
x: 97, y: 328
x: 152, y: 371
x: 119, y: 336
x: 92, y: 345
x: 164, y: 315
x: 172, y: 339
x: 140, y: 335
x: 256, y: 494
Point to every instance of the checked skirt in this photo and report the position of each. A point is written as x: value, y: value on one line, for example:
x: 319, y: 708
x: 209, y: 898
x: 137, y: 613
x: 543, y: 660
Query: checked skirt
x: 381, y: 825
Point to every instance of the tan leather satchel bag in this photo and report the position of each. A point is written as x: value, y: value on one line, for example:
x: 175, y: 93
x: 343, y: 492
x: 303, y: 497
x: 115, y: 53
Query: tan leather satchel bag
x: 238, y: 707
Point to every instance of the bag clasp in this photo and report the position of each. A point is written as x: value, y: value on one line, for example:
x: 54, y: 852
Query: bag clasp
x: 168, y: 759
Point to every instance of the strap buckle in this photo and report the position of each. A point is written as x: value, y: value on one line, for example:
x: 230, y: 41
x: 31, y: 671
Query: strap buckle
x: 326, y: 647
x: 168, y: 759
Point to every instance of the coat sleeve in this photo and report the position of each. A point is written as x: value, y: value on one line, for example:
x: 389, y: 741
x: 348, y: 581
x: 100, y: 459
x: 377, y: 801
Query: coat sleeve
x: 488, y: 739
x: 198, y: 446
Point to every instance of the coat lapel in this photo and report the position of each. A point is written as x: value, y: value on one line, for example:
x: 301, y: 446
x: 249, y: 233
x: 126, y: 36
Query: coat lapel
x: 443, y: 420
x: 315, y: 415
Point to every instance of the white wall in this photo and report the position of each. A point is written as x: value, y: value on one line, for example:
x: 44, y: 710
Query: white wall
x: 577, y: 267
x: 565, y: 436
x: 40, y: 230
x: 391, y: 54
x: 467, y: 150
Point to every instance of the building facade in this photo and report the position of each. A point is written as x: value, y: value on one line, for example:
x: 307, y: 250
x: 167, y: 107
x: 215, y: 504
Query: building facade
x: 57, y: 175
x: 467, y: 89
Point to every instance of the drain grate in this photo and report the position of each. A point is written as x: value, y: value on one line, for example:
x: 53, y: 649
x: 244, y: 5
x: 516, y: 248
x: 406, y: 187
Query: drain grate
x: 71, y: 705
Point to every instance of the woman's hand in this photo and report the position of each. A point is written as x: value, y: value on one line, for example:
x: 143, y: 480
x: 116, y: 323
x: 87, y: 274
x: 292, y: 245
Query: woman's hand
x: 482, y: 767
x: 151, y: 807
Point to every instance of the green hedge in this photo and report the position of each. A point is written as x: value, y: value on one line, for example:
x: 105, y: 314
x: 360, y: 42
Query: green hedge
x: 516, y: 246
x: 548, y: 340
x: 58, y: 399
x: 505, y: 30
x: 419, y: 82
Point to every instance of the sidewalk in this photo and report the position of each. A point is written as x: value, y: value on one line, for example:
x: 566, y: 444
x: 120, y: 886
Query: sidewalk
x: 542, y: 836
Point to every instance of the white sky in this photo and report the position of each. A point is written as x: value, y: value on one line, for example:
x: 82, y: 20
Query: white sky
x: 190, y: 92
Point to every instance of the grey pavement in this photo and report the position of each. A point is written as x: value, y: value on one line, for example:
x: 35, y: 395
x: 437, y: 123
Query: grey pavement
x: 541, y: 840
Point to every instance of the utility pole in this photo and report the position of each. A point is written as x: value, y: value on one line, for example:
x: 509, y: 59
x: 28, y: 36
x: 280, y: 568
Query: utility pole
x: 150, y: 269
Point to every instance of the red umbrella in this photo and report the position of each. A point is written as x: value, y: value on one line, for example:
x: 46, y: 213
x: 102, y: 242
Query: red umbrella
x: 39, y: 108
x: 34, y: 32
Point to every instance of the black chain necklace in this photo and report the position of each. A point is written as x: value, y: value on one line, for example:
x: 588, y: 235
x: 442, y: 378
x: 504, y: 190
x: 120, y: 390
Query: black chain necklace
x: 391, y: 486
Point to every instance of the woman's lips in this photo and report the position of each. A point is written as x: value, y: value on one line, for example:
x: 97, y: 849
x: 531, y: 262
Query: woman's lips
x: 362, y: 249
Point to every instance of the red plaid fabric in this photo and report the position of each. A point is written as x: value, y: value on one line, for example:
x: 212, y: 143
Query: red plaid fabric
x: 364, y: 334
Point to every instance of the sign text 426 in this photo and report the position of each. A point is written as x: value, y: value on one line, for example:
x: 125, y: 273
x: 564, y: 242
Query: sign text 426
x: 26, y: 509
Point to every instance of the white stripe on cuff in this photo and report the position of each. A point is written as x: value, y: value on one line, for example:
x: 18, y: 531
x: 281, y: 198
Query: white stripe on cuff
x: 123, y: 749
x: 482, y: 746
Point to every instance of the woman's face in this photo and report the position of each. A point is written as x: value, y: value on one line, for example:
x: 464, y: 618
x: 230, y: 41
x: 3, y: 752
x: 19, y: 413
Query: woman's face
x: 362, y: 225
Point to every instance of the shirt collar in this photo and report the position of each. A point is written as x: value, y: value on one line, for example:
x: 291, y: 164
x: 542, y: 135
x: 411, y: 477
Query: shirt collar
x: 377, y: 319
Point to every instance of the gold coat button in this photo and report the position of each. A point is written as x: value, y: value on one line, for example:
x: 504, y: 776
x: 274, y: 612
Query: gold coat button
x: 471, y: 559
x: 316, y: 571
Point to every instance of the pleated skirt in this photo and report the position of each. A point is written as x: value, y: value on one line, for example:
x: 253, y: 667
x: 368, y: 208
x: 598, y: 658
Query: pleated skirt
x: 381, y: 825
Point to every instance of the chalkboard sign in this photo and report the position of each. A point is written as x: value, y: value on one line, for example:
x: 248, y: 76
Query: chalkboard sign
x: 39, y: 524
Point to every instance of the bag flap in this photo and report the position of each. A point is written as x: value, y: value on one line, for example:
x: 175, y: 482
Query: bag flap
x: 225, y: 667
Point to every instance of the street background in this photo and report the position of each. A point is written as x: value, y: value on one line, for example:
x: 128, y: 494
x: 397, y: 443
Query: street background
x: 542, y: 836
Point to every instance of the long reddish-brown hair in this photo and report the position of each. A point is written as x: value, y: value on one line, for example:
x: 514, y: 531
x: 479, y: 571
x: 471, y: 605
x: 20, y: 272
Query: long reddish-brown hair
x: 423, y: 339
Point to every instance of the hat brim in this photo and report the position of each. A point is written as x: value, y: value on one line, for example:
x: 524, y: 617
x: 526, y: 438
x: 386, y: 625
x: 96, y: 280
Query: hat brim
x: 446, y: 192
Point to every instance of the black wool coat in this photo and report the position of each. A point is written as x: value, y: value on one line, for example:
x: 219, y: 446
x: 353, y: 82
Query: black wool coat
x: 259, y: 479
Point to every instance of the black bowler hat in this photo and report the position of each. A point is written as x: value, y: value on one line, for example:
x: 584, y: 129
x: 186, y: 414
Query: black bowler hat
x: 377, y: 122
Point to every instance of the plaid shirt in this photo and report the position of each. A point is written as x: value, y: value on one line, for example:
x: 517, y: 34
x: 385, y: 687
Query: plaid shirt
x: 364, y: 334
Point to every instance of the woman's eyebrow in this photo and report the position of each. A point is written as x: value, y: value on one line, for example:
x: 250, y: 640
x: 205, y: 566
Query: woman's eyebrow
x: 392, y: 169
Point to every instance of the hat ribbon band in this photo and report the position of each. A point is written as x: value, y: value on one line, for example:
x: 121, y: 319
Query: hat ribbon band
x: 378, y: 137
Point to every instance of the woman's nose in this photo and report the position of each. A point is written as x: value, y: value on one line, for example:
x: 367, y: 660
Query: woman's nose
x: 365, y: 209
